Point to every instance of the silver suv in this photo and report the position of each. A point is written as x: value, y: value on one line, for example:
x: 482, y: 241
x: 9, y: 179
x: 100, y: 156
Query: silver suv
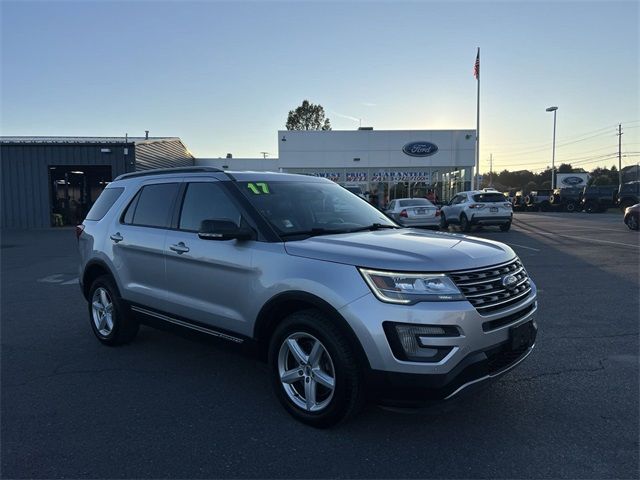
x: 343, y: 303
x: 477, y: 207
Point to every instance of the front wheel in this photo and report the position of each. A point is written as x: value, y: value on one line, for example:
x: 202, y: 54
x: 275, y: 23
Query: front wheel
x: 314, y: 371
x: 465, y: 226
x: 571, y: 207
x: 632, y: 222
x: 443, y: 222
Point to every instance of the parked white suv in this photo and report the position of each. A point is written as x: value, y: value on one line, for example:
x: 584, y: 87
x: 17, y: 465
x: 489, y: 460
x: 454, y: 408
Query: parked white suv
x: 477, y: 207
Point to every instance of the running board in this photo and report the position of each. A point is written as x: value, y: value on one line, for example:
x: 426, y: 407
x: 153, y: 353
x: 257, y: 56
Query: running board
x: 198, y: 328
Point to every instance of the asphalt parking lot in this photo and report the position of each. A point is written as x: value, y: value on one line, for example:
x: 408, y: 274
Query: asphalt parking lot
x: 166, y: 406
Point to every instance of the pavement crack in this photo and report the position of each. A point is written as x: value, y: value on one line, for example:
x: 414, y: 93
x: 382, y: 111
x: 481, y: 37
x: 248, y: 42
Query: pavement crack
x: 561, y: 372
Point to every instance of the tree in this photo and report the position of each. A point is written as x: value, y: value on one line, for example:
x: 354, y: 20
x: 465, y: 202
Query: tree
x: 308, y: 117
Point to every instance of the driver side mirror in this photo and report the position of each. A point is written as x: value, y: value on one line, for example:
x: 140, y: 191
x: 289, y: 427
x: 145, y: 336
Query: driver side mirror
x: 223, y: 229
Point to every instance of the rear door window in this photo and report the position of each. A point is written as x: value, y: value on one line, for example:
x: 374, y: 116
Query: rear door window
x: 104, y: 202
x: 153, y: 206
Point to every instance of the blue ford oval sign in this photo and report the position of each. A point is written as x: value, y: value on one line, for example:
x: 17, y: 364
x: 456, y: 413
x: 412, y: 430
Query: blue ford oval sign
x: 572, y: 181
x: 420, y: 149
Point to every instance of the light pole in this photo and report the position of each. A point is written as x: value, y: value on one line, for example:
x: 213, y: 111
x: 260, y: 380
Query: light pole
x: 553, y: 154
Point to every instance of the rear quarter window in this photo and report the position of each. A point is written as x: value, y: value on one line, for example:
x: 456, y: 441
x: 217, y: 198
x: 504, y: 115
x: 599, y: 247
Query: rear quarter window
x: 104, y: 202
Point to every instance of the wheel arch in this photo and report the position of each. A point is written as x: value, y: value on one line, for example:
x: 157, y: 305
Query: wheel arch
x: 284, y: 304
x: 93, y: 270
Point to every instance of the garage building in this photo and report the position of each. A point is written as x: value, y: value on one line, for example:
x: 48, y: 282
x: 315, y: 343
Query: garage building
x: 53, y: 181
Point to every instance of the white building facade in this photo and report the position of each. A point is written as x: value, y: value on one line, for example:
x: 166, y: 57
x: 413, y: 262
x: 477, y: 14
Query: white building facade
x: 386, y: 163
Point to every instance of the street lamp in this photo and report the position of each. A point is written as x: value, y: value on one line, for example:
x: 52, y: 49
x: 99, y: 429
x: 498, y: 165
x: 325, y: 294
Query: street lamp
x: 553, y: 154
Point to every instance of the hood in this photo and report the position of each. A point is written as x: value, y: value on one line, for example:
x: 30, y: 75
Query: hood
x: 403, y: 250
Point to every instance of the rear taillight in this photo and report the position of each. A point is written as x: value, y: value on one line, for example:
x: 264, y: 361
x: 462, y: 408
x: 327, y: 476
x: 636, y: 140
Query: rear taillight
x: 508, y: 205
x: 438, y: 213
x: 403, y: 214
x: 79, y: 230
x: 476, y: 205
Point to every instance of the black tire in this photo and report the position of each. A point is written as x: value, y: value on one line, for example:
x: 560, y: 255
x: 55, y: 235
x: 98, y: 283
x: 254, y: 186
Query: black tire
x: 590, y: 207
x: 505, y: 226
x: 349, y: 392
x: 444, y: 225
x: 632, y: 222
x: 465, y: 226
x: 124, y: 325
x: 545, y: 206
x: 571, y: 207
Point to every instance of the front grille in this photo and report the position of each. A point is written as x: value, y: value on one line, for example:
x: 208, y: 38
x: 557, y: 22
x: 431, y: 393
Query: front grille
x: 484, y: 288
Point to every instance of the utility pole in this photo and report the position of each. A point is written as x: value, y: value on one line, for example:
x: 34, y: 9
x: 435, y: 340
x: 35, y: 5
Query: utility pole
x: 619, y: 154
x: 491, y: 169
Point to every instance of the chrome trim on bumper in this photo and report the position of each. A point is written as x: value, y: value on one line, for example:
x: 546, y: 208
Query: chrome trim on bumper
x: 492, y: 375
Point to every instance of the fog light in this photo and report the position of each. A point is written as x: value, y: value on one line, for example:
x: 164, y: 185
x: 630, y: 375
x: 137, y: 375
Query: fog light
x: 412, y: 346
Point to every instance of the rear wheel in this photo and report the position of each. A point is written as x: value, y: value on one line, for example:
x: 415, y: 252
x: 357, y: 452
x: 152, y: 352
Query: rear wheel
x: 505, y: 226
x: 314, y: 371
x: 632, y: 222
x: 571, y: 207
x: 465, y: 226
x: 111, y: 321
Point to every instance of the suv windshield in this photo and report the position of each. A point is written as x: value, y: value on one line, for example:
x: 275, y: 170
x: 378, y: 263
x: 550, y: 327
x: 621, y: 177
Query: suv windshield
x: 312, y: 208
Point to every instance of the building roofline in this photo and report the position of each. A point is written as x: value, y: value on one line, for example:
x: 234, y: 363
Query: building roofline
x: 63, y: 140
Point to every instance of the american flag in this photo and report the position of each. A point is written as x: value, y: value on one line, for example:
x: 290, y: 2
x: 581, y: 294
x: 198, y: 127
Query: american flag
x: 476, y: 66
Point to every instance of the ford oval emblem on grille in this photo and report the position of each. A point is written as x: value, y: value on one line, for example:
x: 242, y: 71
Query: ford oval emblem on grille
x: 509, y: 281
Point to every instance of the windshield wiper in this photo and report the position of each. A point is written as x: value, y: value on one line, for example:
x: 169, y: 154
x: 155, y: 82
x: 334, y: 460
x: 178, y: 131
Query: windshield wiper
x: 311, y: 233
x: 373, y: 227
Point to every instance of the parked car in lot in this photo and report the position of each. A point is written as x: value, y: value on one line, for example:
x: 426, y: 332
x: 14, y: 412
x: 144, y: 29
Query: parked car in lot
x: 632, y: 216
x: 477, y: 207
x: 598, y: 199
x: 517, y: 201
x: 342, y: 303
x: 538, y: 200
x: 628, y: 194
x: 567, y: 199
x: 414, y: 212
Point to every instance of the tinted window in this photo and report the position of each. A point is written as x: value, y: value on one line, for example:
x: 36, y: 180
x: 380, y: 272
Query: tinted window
x: 416, y: 201
x: 104, y: 202
x: 489, y: 197
x: 154, y: 204
x: 206, y: 201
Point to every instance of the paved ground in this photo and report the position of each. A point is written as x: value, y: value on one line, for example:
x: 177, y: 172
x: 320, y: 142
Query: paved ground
x: 168, y: 407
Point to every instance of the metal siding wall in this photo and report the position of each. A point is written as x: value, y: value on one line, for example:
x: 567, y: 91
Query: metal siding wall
x: 162, y: 154
x: 25, y: 177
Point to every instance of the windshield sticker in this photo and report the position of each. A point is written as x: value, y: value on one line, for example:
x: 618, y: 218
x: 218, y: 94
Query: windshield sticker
x: 258, y: 188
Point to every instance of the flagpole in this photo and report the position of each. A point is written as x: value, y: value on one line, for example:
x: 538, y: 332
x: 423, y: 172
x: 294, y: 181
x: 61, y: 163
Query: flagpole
x: 474, y: 184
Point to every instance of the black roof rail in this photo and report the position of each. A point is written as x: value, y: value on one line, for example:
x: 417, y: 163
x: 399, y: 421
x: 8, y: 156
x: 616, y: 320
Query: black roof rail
x: 162, y: 171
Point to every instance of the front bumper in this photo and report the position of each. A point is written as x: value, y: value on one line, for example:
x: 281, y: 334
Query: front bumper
x: 472, y: 352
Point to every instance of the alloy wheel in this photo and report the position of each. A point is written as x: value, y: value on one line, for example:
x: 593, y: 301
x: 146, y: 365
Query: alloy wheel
x: 102, y: 311
x: 306, y: 372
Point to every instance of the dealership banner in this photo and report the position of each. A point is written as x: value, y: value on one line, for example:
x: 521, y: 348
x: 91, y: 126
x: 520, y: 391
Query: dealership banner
x: 400, y: 176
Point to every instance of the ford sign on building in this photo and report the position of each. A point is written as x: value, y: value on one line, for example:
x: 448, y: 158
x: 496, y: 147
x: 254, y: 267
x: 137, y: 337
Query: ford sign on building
x: 420, y: 149
x: 565, y: 180
x: 388, y: 164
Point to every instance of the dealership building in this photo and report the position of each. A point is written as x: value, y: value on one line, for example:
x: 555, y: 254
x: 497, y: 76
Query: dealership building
x: 386, y: 163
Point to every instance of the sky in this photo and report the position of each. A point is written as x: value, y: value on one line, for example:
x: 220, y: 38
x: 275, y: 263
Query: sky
x: 222, y: 76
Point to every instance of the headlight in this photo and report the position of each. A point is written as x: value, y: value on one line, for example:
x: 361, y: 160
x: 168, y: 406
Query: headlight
x: 409, y: 288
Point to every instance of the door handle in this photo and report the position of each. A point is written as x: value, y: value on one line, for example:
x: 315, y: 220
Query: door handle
x: 116, y: 237
x: 179, y: 248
